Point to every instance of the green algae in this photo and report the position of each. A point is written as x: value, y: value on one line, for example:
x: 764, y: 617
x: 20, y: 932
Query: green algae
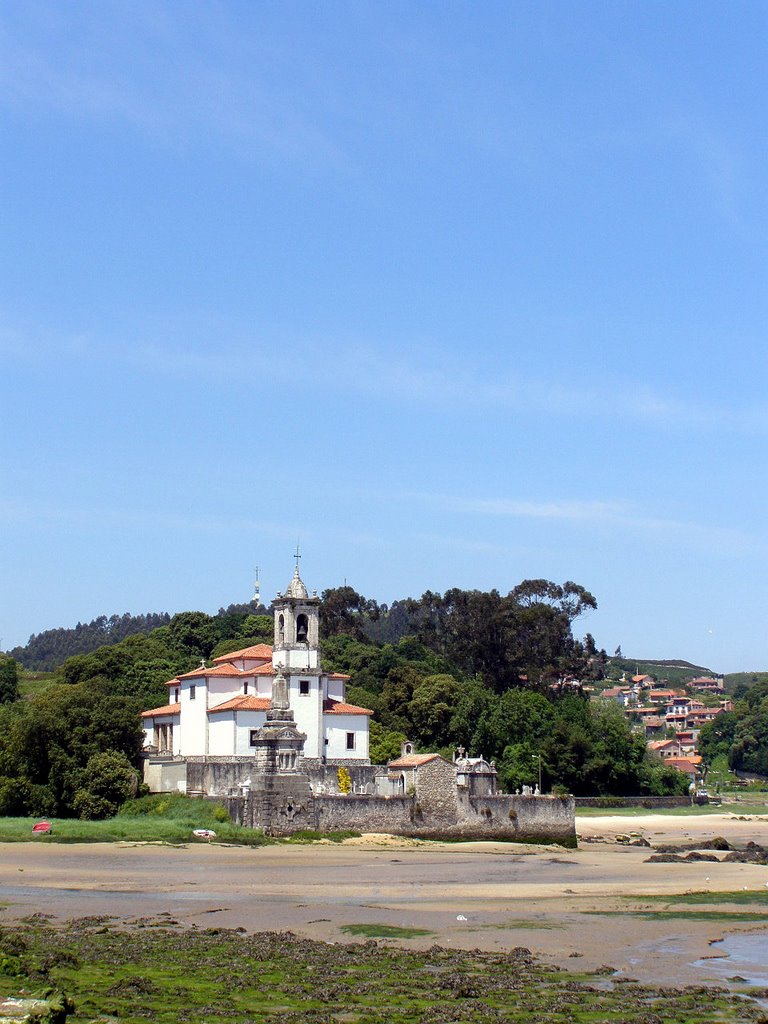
x: 738, y: 896
x: 383, y: 931
x: 169, y: 974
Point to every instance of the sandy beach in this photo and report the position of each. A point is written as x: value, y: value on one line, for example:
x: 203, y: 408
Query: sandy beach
x: 570, y: 907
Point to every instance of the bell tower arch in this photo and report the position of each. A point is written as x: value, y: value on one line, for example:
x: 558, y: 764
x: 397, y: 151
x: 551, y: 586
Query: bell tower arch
x: 297, y: 627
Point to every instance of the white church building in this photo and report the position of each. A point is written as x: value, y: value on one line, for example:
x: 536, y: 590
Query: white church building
x: 216, y: 711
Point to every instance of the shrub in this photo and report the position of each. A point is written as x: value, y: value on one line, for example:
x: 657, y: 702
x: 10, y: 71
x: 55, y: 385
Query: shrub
x: 109, y: 779
x: 345, y: 780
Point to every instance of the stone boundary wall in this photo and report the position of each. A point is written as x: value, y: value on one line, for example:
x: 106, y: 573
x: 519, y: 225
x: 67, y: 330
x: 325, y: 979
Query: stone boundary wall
x: 608, y: 803
x: 547, y: 819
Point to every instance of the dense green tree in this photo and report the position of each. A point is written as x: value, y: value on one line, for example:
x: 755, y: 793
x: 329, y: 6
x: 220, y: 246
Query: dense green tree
x: 106, y: 782
x: 343, y: 610
x: 385, y: 744
x: 9, y: 680
x: 50, y: 743
x: 523, y: 637
x: 431, y: 708
x: 717, y: 737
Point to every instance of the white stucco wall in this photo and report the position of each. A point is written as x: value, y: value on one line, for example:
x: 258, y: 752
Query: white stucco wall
x: 307, y: 711
x: 223, y: 688
x: 336, y: 729
x: 247, y: 720
x: 194, y: 717
x: 221, y: 734
x: 335, y: 688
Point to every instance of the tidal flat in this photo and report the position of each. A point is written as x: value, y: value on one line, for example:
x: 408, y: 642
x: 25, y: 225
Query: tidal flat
x: 156, y: 969
x: 604, y: 916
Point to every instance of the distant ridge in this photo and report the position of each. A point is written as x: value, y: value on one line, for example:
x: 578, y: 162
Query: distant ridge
x: 45, y: 651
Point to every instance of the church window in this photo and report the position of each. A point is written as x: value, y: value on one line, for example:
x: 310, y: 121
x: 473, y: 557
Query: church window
x: 281, y: 628
x: 191, y: 693
x: 302, y: 629
x: 350, y: 741
x: 304, y: 687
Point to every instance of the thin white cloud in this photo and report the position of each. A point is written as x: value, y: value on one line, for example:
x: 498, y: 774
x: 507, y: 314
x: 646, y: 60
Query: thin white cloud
x: 177, y: 80
x: 622, y: 515
x: 123, y: 518
x: 364, y: 368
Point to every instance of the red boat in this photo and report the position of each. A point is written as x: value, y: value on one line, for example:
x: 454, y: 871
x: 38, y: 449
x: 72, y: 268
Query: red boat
x: 42, y: 826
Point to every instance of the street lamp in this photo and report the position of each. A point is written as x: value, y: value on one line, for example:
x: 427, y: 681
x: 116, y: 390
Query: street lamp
x: 539, y: 757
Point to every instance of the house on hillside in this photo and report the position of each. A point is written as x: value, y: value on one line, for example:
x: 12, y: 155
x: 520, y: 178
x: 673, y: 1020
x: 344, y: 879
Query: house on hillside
x: 708, y: 684
x: 622, y: 695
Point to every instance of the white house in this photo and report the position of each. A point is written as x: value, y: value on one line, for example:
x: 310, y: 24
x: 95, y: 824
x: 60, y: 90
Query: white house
x: 215, y: 711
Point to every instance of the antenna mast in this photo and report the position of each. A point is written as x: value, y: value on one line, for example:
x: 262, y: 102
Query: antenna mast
x: 257, y: 588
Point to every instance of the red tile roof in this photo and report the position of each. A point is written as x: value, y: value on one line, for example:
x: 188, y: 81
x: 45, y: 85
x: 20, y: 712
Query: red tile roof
x: 166, y: 709
x: 220, y: 670
x: 257, y: 652
x: 412, y: 760
x: 338, y: 707
x: 173, y: 682
x: 338, y: 675
x: 242, y: 702
x: 689, y: 765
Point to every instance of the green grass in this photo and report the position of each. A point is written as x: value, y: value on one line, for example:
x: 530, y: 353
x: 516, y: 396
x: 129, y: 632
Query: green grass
x: 520, y: 923
x: 132, y: 830
x: 156, y: 970
x: 739, y: 896
x: 311, y: 836
x: 159, y: 818
x: 33, y: 683
x: 683, y: 915
x: 383, y: 931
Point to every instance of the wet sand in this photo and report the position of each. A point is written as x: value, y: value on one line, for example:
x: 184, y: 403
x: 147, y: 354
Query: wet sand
x: 534, y: 896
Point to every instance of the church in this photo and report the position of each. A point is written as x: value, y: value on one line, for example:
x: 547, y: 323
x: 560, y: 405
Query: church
x: 217, y: 711
x: 268, y: 733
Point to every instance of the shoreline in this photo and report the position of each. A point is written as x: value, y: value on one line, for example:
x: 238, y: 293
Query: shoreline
x: 576, y: 908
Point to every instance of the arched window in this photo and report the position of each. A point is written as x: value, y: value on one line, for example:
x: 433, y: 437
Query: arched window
x: 302, y: 629
x: 281, y: 628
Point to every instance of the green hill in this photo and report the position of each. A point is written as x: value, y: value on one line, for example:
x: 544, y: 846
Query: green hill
x: 668, y: 671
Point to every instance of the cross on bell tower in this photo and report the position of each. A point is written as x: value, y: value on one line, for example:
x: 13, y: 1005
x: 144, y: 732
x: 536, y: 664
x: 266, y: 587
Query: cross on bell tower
x: 297, y: 625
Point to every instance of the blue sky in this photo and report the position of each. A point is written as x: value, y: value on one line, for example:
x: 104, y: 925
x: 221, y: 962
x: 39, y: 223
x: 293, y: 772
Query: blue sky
x: 456, y: 293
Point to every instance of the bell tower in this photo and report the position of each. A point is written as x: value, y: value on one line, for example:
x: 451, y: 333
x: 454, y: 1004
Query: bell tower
x: 297, y: 627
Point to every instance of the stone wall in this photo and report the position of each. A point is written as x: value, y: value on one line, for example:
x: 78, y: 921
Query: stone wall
x: 437, y: 793
x: 165, y: 774
x: 608, y: 802
x: 365, y: 814
x: 519, y: 818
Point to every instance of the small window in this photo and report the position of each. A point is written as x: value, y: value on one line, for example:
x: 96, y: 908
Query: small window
x: 252, y: 737
x: 191, y: 693
x: 176, y: 695
x: 304, y: 687
x: 245, y: 686
x: 350, y: 741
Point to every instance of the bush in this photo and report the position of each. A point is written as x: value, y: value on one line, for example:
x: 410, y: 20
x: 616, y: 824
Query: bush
x: 345, y: 780
x: 109, y: 779
x: 176, y: 807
